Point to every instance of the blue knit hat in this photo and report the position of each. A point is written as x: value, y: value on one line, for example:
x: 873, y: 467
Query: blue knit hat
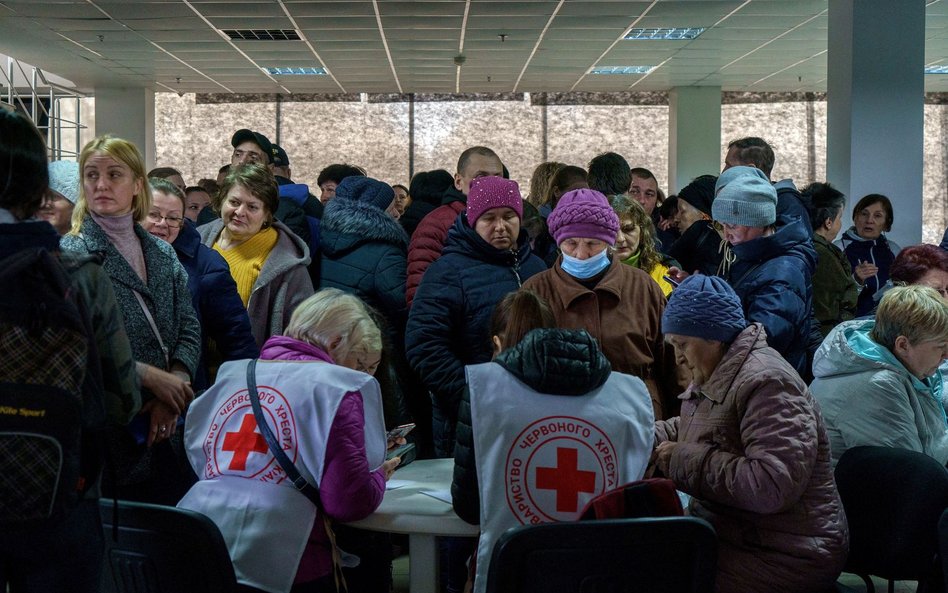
x: 367, y: 190
x: 744, y: 196
x: 704, y: 307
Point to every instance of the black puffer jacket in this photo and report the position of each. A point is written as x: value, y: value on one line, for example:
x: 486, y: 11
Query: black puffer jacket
x: 364, y: 251
x: 698, y: 249
x: 564, y: 362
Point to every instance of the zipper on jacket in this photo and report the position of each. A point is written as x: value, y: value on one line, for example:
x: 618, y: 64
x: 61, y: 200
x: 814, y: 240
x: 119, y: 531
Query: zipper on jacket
x: 516, y: 269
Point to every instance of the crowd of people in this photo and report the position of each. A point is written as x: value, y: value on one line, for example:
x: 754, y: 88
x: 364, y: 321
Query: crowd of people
x: 722, y: 337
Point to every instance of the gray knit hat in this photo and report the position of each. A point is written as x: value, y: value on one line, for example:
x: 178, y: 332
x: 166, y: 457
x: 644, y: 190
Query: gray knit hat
x: 746, y: 197
x: 64, y: 179
x: 704, y: 307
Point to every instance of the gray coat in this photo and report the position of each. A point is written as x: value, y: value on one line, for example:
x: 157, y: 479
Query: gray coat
x: 869, y: 398
x: 166, y: 295
x: 283, y: 282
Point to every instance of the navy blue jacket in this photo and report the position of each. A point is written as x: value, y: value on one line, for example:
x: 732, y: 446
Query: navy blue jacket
x: 880, y: 252
x: 217, y: 305
x: 773, y: 276
x: 364, y: 251
x: 449, y: 321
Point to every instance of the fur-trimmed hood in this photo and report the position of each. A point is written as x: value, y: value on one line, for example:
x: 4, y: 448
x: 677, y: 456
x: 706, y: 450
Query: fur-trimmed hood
x: 348, y: 224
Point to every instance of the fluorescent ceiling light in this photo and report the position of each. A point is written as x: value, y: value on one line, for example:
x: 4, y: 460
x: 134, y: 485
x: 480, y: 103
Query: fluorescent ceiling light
x: 666, y: 34
x: 288, y: 71
x: 262, y: 34
x: 622, y: 70
x: 936, y: 70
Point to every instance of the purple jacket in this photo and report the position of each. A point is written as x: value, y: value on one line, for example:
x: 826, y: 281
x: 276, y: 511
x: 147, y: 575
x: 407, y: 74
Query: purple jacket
x: 348, y: 490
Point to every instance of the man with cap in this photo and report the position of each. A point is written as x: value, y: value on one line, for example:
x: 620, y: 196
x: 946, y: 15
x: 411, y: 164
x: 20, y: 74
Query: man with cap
x: 699, y: 247
x: 751, y: 448
x: 485, y: 257
x: 621, y: 306
x: 61, y: 196
x: 251, y: 147
x: 297, y: 196
x: 770, y: 267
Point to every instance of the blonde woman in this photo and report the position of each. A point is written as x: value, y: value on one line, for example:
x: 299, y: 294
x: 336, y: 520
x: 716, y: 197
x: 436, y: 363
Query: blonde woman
x: 877, y: 380
x: 635, y: 242
x: 151, y: 288
x: 316, y: 390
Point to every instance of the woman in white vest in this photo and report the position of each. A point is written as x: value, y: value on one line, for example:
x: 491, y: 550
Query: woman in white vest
x: 551, y: 424
x: 323, y: 405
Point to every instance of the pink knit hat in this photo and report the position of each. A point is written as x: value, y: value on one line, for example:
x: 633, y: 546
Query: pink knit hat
x: 492, y: 192
x: 583, y: 213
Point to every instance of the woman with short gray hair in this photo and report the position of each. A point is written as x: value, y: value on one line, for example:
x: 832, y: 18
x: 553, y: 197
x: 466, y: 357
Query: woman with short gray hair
x: 877, y: 379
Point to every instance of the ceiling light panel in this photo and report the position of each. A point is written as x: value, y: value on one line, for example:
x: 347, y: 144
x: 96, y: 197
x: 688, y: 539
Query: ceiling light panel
x: 621, y: 70
x: 664, y: 34
x: 294, y: 71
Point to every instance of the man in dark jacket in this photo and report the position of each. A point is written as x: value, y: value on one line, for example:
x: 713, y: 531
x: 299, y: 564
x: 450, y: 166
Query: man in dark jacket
x: 773, y: 266
x: 428, y: 239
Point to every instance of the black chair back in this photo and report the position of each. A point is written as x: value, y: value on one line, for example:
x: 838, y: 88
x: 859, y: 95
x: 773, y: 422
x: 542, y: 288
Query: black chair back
x: 654, y: 555
x: 893, y: 500
x: 161, y: 549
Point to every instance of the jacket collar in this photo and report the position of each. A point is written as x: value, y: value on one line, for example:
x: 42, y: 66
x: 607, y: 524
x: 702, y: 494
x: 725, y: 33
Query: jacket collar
x: 188, y: 239
x: 722, y: 379
x: 570, y: 289
x: 119, y: 270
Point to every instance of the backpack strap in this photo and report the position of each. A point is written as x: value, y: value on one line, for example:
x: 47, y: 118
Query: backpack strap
x: 299, y: 482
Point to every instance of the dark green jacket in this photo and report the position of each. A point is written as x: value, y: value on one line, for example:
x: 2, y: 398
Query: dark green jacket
x: 835, y: 292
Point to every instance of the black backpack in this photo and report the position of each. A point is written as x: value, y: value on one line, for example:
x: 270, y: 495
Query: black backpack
x: 51, y: 409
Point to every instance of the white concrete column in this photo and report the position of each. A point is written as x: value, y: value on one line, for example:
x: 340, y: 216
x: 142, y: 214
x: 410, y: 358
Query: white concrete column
x: 875, y: 106
x: 128, y: 113
x: 694, y: 134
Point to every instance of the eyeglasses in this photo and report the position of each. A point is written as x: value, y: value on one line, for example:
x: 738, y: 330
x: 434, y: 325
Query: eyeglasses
x: 173, y: 221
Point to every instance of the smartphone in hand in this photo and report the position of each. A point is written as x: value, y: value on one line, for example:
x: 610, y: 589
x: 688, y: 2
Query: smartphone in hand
x: 399, y: 431
x: 405, y: 452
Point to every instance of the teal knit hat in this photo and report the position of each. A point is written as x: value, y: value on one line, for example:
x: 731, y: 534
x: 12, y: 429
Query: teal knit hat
x: 744, y: 196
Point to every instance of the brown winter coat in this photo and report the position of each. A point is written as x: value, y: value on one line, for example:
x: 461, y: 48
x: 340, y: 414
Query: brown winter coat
x: 624, y: 313
x: 754, y: 455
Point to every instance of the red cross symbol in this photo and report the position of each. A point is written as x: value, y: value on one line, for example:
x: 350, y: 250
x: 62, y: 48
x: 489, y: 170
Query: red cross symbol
x: 567, y: 479
x: 244, y: 442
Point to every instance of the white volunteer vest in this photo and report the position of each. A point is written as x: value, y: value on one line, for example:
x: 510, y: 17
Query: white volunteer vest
x: 265, y: 521
x: 540, y: 458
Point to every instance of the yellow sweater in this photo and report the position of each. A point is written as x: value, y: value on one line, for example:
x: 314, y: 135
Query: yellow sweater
x: 657, y: 273
x: 247, y: 259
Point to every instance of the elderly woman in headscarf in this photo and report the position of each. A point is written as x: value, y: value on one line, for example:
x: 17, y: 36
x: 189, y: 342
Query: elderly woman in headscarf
x: 750, y: 448
x: 619, y: 305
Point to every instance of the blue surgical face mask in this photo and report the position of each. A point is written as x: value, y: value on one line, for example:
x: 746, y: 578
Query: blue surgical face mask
x: 586, y: 268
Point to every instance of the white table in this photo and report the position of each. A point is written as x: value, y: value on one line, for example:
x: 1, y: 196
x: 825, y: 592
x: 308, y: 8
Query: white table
x: 422, y: 517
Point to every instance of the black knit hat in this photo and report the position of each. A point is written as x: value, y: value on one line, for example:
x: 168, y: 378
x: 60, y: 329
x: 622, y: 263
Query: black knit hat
x: 699, y: 193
